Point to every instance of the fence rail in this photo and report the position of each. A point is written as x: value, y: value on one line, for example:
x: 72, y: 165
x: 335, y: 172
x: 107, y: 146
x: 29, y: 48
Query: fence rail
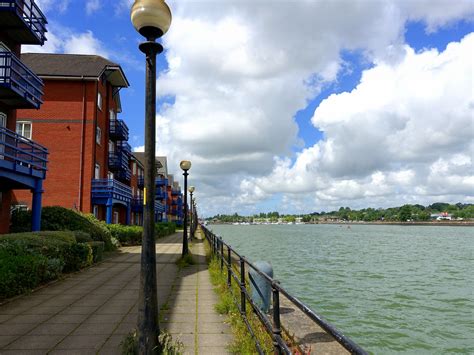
x: 22, y: 151
x: 227, y: 256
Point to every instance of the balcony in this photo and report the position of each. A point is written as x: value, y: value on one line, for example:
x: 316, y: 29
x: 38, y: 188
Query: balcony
x: 23, y: 21
x: 124, y: 175
x: 22, y: 161
x: 19, y: 86
x: 141, y: 182
x: 161, y: 195
x: 161, y: 182
x: 137, y: 206
x: 118, y: 130
x: 106, y: 191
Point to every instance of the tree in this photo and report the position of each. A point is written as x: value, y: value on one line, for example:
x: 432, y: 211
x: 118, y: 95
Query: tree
x: 405, y: 213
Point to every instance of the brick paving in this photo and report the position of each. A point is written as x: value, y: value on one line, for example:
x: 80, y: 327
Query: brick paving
x: 92, y: 311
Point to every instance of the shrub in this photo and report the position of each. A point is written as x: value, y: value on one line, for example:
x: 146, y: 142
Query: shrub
x: 126, y: 235
x: 77, y: 256
x: 82, y: 237
x: 58, y: 218
x: 53, y: 245
x: 163, y: 229
x: 97, y: 250
x: 20, y: 272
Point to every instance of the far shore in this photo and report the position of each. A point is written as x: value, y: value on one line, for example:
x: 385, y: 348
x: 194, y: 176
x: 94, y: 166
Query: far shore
x: 426, y: 223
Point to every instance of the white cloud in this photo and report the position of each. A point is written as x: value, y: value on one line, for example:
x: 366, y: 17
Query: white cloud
x: 63, y: 40
x: 53, y: 5
x: 92, y: 6
x: 404, y: 134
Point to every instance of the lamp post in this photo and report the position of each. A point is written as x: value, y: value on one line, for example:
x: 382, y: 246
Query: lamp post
x: 195, y: 216
x: 191, y: 190
x: 185, y: 166
x: 152, y: 19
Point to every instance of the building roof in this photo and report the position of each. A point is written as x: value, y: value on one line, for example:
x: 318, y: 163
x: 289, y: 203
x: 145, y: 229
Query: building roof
x: 74, y: 66
x: 161, y: 165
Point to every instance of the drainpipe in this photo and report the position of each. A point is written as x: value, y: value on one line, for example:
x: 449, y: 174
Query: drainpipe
x: 81, y: 163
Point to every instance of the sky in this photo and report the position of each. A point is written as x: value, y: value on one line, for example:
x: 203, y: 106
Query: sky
x: 298, y: 106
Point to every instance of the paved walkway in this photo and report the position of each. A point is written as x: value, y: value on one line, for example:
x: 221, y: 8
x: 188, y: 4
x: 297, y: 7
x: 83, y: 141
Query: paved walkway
x: 92, y: 311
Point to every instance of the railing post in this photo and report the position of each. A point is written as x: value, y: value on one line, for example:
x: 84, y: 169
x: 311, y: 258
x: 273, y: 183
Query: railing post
x: 242, y: 287
x: 276, y: 319
x: 222, y: 252
x: 229, y: 266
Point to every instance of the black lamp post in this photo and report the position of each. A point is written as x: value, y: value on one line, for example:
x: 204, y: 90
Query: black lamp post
x: 191, y: 224
x: 185, y: 166
x: 152, y: 19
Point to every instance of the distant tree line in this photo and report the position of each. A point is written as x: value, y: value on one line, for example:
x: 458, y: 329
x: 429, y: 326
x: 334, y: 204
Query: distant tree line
x: 403, y: 213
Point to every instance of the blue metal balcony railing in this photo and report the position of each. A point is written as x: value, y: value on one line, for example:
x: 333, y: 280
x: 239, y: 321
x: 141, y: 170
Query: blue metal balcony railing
x: 19, y: 86
x: 23, y: 20
x: 118, y: 130
x: 124, y: 174
x: 118, y: 160
x: 141, y: 182
x: 111, y: 188
x: 161, y: 182
x: 161, y: 195
x: 20, y: 154
x: 137, y: 205
x: 124, y: 147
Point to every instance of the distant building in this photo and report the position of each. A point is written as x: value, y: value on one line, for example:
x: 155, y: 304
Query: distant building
x: 443, y: 216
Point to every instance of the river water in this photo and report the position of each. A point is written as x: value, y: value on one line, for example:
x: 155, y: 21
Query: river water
x: 392, y: 289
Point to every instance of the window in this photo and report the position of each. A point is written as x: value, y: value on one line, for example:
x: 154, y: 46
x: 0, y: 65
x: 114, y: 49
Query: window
x: 95, y: 210
x: 24, y: 128
x: 99, y: 101
x: 115, y: 218
x: 98, y: 135
x: 97, y: 171
x: 111, y: 146
x: 110, y: 175
x: 112, y: 115
x: 134, y: 168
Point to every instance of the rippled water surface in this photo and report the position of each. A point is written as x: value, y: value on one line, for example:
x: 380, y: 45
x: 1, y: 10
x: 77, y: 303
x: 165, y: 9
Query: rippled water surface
x: 392, y: 289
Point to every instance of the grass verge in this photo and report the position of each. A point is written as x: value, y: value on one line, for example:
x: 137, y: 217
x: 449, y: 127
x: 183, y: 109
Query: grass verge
x: 243, y: 342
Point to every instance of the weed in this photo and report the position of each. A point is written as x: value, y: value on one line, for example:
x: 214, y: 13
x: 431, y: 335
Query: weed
x: 185, y: 261
x: 167, y: 345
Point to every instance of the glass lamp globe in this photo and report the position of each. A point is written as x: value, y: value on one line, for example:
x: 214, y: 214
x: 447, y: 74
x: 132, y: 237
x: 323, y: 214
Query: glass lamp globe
x: 185, y: 165
x: 151, y: 17
x: 191, y: 189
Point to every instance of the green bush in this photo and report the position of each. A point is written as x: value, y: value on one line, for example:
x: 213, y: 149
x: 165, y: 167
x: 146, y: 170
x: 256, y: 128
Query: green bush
x: 97, y: 250
x: 77, y: 256
x: 163, y: 229
x: 126, y: 235
x: 20, y: 272
x: 82, y: 237
x: 57, y: 218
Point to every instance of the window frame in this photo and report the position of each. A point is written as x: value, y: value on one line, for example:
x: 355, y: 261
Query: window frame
x: 99, y: 100
x: 22, y: 130
x: 97, y: 171
x: 98, y: 135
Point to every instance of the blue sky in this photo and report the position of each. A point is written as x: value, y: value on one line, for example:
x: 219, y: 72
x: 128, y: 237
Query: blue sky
x: 245, y: 104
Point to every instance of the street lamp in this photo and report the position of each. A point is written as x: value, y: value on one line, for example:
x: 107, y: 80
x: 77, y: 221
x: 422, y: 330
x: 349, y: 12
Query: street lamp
x: 185, y: 166
x: 152, y: 19
x: 191, y: 224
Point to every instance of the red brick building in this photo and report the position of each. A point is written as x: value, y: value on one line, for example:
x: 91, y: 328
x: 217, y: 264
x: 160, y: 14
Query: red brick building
x: 89, y: 167
x: 23, y: 162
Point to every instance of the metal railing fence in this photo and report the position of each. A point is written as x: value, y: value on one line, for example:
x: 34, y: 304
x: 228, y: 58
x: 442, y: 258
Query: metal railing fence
x: 227, y: 256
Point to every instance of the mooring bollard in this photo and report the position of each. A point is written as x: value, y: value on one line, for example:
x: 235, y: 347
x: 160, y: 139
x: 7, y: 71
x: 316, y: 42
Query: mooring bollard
x: 259, y: 286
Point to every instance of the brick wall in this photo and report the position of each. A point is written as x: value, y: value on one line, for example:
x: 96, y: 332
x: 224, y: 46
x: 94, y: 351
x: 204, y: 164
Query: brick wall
x: 66, y: 125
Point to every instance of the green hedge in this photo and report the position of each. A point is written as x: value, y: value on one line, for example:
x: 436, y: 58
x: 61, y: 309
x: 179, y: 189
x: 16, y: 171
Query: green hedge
x: 59, y: 219
x: 29, y: 259
x: 163, y: 229
x: 126, y: 235
x: 97, y: 250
